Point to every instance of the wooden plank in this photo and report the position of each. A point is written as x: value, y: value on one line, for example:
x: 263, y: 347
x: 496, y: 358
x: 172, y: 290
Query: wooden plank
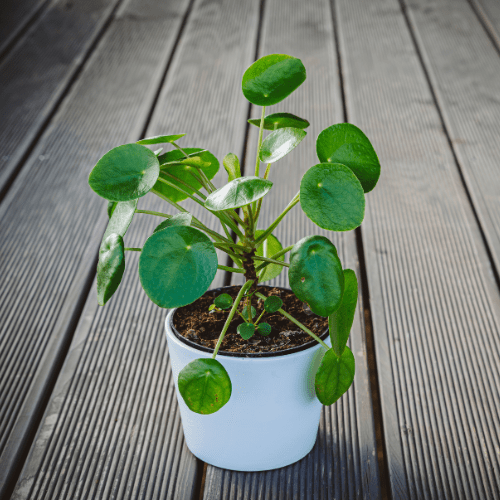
x: 52, y: 222
x: 434, y: 302
x: 488, y: 12
x: 466, y: 87
x: 38, y: 72
x: 16, y: 17
x: 343, y: 462
x: 112, y: 428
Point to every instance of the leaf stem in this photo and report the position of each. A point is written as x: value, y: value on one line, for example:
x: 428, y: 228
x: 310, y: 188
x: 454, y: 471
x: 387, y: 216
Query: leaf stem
x: 271, y: 261
x: 171, y: 184
x: 133, y: 249
x: 237, y: 301
x: 298, y: 323
x: 271, y: 228
x: 231, y: 269
x: 274, y: 257
x: 257, y: 159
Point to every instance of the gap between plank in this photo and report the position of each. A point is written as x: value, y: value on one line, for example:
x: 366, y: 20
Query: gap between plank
x: 14, y: 169
x: 39, y: 410
x: 370, y: 345
x: 485, y: 23
x: 437, y: 105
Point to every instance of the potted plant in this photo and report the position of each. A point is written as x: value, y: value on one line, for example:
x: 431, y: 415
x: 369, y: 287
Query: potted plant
x: 256, y: 404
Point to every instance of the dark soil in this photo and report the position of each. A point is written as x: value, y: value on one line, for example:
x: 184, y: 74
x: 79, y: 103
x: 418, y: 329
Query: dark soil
x: 196, y: 323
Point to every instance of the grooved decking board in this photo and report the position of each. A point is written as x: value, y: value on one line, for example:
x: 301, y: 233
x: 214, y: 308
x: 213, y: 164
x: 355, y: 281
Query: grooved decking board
x: 464, y: 67
x: 37, y: 72
x: 16, y: 14
x: 112, y: 428
x: 343, y: 462
x: 52, y: 221
x: 433, y: 299
x: 489, y: 13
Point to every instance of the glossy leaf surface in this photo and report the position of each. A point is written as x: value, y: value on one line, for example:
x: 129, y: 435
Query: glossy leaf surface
x: 223, y: 301
x: 272, y: 304
x: 182, y: 172
x: 177, y: 265
x: 316, y: 275
x: 347, y: 144
x: 120, y: 220
x: 110, y: 267
x: 264, y: 329
x: 279, y: 143
x: 270, y: 246
x: 246, y: 330
x: 340, y: 321
x: 334, y: 376
x: 125, y: 173
x: 181, y: 219
x: 238, y: 193
x: 160, y: 139
x: 275, y: 121
x: 272, y: 78
x: 232, y: 166
x: 204, y: 385
x: 332, y: 197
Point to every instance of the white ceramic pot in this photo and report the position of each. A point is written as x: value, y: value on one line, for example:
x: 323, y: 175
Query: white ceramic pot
x: 272, y: 417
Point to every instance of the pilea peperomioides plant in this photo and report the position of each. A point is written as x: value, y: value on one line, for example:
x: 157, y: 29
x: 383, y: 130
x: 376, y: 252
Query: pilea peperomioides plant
x: 179, y: 261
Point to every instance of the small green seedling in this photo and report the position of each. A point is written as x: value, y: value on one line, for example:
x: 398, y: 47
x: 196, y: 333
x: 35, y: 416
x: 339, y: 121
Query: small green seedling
x: 178, y: 261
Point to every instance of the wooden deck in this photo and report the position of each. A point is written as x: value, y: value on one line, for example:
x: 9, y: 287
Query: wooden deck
x: 87, y: 402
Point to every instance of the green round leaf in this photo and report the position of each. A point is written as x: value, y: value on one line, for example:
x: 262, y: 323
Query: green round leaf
x: 275, y: 121
x: 125, y: 173
x: 345, y: 143
x: 205, y: 386
x: 122, y: 215
x: 332, y: 197
x: 264, y: 329
x: 272, y: 78
x: 223, y: 301
x: 270, y: 246
x: 110, y: 267
x: 232, y: 166
x: 181, y: 219
x: 182, y: 171
x: 246, y: 330
x: 177, y: 265
x: 340, y: 321
x: 160, y: 139
x: 253, y: 312
x: 316, y: 275
x: 211, y: 307
x: 279, y: 143
x: 334, y: 376
x: 238, y: 193
x: 272, y: 304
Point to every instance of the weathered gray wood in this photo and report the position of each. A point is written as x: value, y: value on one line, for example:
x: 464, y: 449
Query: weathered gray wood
x: 51, y: 219
x: 16, y: 17
x: 343, y: 463
x: 39, y: 70
x: 433, y: 299
x: 112, y: 428
x: 489, y: 14
x: 465, y: 78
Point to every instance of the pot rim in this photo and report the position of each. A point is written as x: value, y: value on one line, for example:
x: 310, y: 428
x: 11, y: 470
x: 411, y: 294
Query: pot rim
x: 189, y: 343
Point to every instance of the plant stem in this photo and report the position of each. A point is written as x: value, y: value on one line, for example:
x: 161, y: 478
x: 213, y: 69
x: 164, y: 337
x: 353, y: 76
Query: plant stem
x: 258, y: 319
x: 136, y: 250
x: 271, y: 228
x: 231, y: 269
x: 172, y: 185
x: 259, y: 202
x: 273, y: 257
x: 298, y: 323
x: 237, y: 301
x: 235, y: 247
x: 195, y: 222
x: 259, y: 144
x: 271, y: 261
